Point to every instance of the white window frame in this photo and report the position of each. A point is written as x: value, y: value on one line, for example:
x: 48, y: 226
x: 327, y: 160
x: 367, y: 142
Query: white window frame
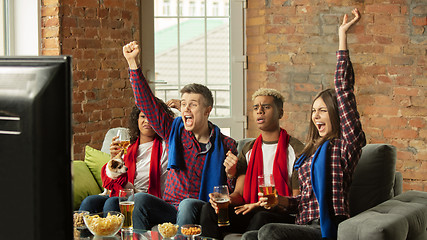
x: 237, y: 122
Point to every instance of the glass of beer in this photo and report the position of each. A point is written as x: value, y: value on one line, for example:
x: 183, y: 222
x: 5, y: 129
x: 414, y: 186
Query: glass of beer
x: 127, y: 202
x: 124, y: 139
x: 267, y: 187
x: 222, y: 199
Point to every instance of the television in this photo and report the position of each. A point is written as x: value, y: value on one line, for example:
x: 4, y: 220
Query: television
x: 35, y: 147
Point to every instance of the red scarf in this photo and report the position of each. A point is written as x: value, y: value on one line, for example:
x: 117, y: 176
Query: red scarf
x: 255, y: 168
x: 154, y: 186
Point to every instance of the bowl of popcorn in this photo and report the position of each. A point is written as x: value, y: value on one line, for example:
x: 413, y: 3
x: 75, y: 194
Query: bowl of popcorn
x: 78, y: 221
x: 167, y: 230
x: 191, y: 230
x: 104, y: 224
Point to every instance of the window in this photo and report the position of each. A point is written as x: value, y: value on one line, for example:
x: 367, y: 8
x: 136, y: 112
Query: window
x: 181, y: 7
x: 215, y: 9
x: 166, y: 8
x: 20, y: 27
x: 192, y: 9
x: 197, y: 46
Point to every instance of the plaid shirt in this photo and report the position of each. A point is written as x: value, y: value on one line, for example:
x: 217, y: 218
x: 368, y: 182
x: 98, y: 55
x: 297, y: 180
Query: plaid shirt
x: 344, y: 151
x: 184, y: 183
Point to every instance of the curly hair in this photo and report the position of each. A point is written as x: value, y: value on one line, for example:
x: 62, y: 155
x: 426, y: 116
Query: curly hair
x: 277, y: 96
x: 133, y: 119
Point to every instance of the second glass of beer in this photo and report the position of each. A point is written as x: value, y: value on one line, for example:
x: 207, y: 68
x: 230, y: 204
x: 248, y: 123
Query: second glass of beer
x: 127, y: 202
x: 222, y: 200
x: 268, y: 188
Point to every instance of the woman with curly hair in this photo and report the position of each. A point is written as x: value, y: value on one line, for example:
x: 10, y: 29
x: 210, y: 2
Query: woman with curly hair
x: 146, y: 160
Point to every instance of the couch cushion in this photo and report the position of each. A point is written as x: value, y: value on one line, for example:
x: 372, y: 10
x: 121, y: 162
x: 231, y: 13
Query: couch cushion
x: 83, y: 183
x: 413, y: 206
x: 374, y: 225
x: 373, y: 178
x: 95, y: 159
x: 403, y: 217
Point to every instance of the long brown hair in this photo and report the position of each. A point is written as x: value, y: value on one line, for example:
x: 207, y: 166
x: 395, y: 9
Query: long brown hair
x: 133, y: 120
x: 314, y: 140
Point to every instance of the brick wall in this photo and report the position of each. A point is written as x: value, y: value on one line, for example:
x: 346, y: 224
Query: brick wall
x: 93, y: 32
x: 291, y: 47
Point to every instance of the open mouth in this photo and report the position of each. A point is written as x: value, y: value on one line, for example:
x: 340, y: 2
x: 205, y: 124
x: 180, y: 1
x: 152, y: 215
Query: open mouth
x: 260, y: 120
x: 320, y: 126
x: 188, y: 120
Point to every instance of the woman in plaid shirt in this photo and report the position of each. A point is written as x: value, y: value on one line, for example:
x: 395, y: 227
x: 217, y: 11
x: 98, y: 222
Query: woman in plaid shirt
x: 326, y: 165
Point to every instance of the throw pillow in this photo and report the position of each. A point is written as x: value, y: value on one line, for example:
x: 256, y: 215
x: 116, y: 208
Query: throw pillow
x: 83, y: 183
x: 373, y: 177
x: 95, y: 159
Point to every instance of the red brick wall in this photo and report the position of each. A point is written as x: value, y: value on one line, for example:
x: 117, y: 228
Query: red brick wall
x: 93, y: 32
x: 291, y: 47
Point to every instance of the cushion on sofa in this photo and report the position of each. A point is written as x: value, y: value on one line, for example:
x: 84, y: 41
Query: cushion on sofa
x: 413, y: 206
x: 373, y: 178
x: 95, y: 159
x: 402, y: 217
x: 374, y: 226
x: 83, y: 183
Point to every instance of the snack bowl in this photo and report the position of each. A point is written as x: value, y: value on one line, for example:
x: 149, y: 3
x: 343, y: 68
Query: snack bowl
x: 104, y: 224
x: 168, y: 230
x: 78, y: 221
x: 191, y: 230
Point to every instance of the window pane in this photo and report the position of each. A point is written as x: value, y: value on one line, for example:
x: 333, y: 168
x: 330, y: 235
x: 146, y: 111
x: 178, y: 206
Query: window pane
x: 191, y: 8
x: 192, y: 50
x: 166, y: 57
x: 218, y: 8
x: 218, y: 65
x: 218, y: 52
x: 201, y: 53
x: 166, y: 8
x: 221, y: 94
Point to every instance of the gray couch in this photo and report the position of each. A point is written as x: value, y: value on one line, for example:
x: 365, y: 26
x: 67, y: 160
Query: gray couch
x: 378, y: 208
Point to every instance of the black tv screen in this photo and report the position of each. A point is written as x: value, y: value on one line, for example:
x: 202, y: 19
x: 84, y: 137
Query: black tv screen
x: 35, y: 147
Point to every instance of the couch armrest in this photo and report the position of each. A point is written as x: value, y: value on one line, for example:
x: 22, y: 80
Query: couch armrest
x: 373, y: 226
x: 402, y: 217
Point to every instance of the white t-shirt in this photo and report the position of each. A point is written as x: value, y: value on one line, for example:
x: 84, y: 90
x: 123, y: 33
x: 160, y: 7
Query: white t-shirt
x: 268, y: 153
x: 142, y: 171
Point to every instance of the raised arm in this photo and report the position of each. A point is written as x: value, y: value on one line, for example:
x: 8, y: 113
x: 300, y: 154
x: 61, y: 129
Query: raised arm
x: 342, y: 32
x: 351, y: 128
x: 131, y: 52
x: 144, y: 97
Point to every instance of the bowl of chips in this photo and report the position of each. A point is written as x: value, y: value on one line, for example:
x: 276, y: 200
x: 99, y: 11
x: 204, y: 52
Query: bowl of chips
x: 191, y: 230
x: 168, y: 230
x: 78, y: 221
x: 104, y: 224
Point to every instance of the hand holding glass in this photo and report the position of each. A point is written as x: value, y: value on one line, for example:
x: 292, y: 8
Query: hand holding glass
x: 127, y: 202
x: 222, y: 200
x: 267, y: 187
x: 124, y: 139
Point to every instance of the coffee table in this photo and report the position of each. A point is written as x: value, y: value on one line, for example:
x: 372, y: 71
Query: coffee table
x: 85, y: 234
x: 137, y: 234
